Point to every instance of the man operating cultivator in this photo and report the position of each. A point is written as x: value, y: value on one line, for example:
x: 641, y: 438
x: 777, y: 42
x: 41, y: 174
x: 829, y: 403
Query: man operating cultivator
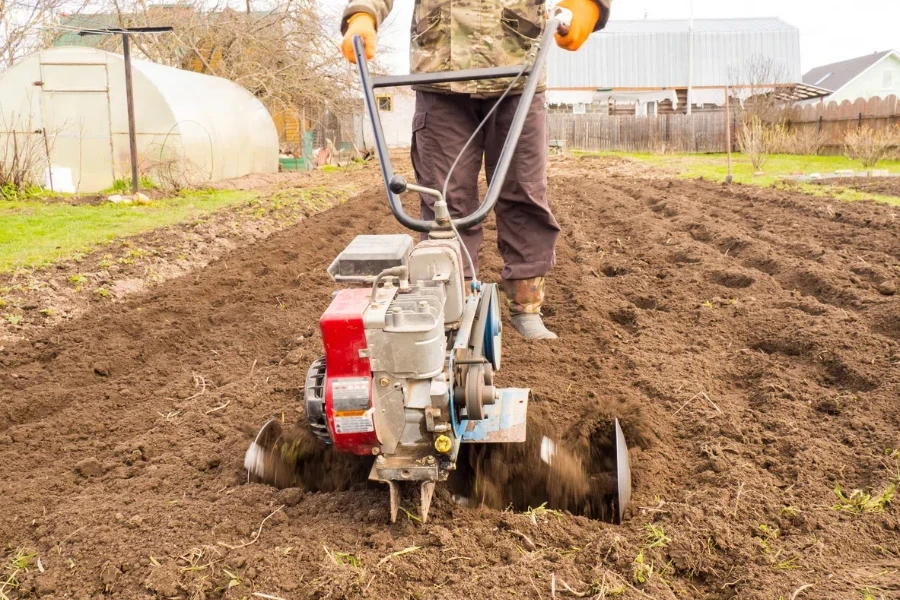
x: 453, y: 132
x: 413, y: 344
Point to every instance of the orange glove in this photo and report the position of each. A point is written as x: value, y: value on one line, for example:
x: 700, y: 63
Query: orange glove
x: 585, y: 14
x: 362, y: 24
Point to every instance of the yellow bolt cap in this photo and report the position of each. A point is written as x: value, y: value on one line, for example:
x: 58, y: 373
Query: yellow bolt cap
x: 442, y: 444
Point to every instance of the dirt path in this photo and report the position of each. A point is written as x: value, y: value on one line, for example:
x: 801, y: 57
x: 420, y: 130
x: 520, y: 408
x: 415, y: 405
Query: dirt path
x: 748, y: 338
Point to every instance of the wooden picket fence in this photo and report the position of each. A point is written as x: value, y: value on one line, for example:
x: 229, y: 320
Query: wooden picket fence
x: 705, y: 131
x: 831, y: 121
x: 700, y: 132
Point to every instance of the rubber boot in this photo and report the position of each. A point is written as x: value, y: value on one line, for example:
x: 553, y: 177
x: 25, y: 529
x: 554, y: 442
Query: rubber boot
x: 526, y: 296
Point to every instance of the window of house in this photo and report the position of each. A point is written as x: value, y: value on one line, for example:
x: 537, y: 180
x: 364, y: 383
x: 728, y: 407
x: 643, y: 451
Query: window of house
x: 386, y: 103
x: 887, y: 80
x: 579, y: 108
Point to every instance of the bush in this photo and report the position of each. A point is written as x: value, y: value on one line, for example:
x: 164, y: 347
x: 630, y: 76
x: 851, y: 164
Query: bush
x: 869, y: 146
x: 21, y: 159
x: 758, y: 139
x: 24, y: 153
x: 802, y: 140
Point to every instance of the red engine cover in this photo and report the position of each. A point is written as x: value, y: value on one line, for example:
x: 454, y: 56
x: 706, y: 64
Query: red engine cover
x: 348, y: 378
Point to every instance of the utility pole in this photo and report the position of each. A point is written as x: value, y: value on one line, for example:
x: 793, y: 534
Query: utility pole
x: 125, y: 32
x: 690, y: 88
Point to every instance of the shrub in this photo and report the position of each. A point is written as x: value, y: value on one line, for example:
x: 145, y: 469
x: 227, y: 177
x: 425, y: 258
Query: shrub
x: 868, y: 145
x: 802, y: 140
x: 758, y: 139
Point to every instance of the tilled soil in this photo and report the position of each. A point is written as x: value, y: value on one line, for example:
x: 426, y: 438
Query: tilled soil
x: 33, y: 299
x: 747, y: 338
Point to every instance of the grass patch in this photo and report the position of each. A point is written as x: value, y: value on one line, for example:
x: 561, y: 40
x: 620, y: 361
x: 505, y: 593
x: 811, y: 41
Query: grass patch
x: 10, y: 193
x: 641, y: 570
x: 33, y: 234
x: 715, y: 166
x: 859, y: 502
x: 343, y: 558
x: 123, y: 186
x: 542, y: 511
x: 655, y: 536
x: 18, y: 560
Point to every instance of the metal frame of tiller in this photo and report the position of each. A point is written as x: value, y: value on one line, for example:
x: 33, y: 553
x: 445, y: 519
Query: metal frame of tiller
x: 476, y: 343
x: 395, y: 184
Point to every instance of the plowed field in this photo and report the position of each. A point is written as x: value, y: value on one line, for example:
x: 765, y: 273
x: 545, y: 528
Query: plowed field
x: 747, y: 338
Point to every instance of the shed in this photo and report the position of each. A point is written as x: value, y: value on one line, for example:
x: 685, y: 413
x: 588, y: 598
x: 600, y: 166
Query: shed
x: 190, y: 128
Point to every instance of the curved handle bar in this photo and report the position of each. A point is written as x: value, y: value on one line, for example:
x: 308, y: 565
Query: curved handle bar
x: 396, y: 185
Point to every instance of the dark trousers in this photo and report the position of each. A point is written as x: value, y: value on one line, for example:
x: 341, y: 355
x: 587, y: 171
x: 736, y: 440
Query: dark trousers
x: 526, y: 229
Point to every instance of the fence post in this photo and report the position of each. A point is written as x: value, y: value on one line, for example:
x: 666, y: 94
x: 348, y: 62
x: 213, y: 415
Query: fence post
x: 859, y: 124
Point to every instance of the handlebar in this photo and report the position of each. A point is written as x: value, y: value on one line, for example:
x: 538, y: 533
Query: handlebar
x: 394, y: 186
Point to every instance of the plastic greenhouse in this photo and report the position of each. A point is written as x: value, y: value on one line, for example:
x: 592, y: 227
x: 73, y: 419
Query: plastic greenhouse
x: 69, y: 103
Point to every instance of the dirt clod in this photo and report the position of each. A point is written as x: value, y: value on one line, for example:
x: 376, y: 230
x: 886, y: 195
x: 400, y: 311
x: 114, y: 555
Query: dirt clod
x: 887, y: 288
x: 163, y: 581
x: 89, y: 467
x: 101, y: 368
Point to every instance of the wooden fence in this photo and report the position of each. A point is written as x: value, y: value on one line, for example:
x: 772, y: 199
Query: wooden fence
x: 831, y: 121
x: 705, y: 131
x: 700, y: 132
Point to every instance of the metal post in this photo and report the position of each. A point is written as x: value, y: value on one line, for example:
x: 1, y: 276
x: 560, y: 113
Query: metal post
x: 129, y: 96
x: 690, y: 60
x: 49, y: 160
x: 728, y: 178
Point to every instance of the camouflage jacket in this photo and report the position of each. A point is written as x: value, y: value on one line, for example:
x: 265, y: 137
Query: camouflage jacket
x: 451, y: 35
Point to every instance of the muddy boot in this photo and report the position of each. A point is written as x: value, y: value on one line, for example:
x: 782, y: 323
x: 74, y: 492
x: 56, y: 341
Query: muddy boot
x: 525, y: 298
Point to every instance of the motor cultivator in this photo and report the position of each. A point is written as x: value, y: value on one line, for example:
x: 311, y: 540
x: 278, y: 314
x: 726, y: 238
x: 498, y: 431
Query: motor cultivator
x: 411, y: 348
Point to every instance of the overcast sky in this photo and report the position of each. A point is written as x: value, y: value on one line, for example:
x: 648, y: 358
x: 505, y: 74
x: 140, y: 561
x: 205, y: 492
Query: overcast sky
x: 830, y: 30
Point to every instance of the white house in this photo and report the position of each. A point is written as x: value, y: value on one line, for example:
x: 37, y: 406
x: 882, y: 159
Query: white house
x: 396, y: 107
x: 863, y: 77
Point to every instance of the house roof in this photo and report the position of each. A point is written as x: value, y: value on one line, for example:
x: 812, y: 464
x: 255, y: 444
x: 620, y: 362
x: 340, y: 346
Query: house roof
x: 836, y: 75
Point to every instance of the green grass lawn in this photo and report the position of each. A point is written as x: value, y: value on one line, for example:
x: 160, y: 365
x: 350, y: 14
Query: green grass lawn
x: 34, y: 233
x: 714, y: 167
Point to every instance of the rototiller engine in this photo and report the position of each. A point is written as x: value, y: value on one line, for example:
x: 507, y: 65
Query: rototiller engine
x: 411, y: 348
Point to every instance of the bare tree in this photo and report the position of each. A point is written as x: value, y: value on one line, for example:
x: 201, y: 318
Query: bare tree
x: 285, y: 54
x: 24, y: 25
x: 761, y: 83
